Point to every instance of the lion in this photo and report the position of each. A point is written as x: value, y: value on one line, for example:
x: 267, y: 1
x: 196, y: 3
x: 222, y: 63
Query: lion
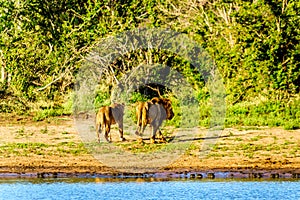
x: 153, y: 112
x: 108, y: 115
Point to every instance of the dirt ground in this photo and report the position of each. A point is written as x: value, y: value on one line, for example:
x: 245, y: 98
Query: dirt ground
x: 54, y: 146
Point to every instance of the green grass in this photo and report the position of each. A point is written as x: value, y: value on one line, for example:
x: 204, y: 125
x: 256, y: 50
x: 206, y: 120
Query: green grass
x: 243, y: 115
x: 44, y: 130
x: 47, y: 113
x: 238, y: 139
x: 271, y: 114
x: 249, y: 114
x: 21, y: 133
x: 256, y: 138
x: 30, y: 148
x: 137, y: 147
x: 251, y: 150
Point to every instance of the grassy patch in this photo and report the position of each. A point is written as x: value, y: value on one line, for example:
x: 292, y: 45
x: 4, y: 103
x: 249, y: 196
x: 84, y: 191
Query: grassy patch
x: 291, y: 125
x: 137, y: 147
x: 22, y: 149
x: 50, y: 112
x: 29, y: 148
x: 256, y: 138
x: 258, y: 145
x: 269, y: 113
x: 238, y: 139
x: 21, y: 133
x: 44, y: 130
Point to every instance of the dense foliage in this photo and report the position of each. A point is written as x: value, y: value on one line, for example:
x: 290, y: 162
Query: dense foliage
x: 255, y: 45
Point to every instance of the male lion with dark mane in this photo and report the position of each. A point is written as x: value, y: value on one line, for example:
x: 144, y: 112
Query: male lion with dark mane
x: 108, y: 115
x: 153, y: 112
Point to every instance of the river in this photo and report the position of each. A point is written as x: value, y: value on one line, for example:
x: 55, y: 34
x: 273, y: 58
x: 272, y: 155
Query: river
x: 141, y: 188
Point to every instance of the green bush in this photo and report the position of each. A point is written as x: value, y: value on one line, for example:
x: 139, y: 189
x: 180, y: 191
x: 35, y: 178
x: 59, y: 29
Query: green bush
x: 255, y: 46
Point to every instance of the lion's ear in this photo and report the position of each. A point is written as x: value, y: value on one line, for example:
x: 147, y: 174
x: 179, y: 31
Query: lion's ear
x: 156, y: 100
x: 153, y: 100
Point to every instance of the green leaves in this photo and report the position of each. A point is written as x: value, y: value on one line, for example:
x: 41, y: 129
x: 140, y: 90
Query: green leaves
x: 255, y: 45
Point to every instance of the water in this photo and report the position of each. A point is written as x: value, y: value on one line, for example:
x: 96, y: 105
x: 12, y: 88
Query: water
x: 145, y: 189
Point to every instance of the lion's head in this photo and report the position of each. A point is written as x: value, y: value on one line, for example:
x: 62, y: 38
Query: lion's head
x: 166, y: 103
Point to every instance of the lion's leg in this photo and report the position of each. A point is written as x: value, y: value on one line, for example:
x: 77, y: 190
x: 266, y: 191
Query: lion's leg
x: 121, y: 135
x: 98, y: 132
x: 160, y: 136
x: 107, y: 131
x: 137, y: 132
x: 140, y: 129
x: 143, y: 128
x: 154, y: 130
x: 139, y: 120
x: 121, y: 132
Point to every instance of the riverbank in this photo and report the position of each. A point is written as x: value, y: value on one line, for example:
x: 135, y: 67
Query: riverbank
x: 54, y: 148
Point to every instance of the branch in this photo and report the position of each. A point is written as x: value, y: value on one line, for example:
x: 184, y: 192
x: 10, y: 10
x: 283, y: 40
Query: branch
x: 156, y: 90
x: 55, y: 80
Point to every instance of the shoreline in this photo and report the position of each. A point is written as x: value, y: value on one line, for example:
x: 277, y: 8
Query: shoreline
x: 211, y: 174
x: 180, y: 173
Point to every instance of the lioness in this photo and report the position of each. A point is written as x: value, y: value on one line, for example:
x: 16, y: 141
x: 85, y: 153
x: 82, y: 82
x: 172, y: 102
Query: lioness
x: 153, y: 112
x: 108, y: 115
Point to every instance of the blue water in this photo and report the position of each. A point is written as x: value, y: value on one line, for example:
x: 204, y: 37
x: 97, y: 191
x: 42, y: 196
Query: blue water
x: 140, y: 189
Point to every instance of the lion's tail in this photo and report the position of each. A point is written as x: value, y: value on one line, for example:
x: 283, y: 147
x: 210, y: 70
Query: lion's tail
x: 103, y: 117
x: 144, y: 114
x: 107, y: 115
x: 142, y: 109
